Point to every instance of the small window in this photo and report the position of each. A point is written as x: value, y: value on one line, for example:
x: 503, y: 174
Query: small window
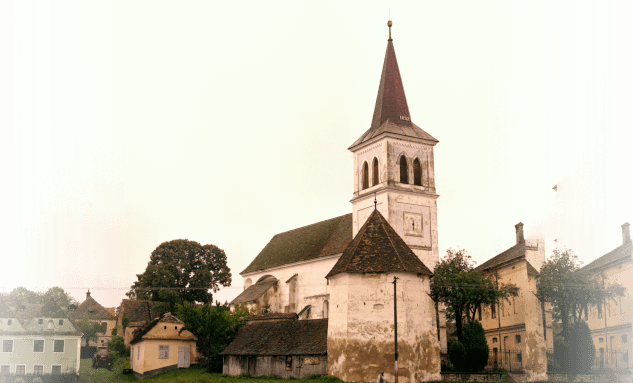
x: 40, y: 321
x: 519, y: 357
x: 375, y: 178
x: 624, y: 338
x: 10, y: 322
x: 50, y: 324
x: 58, y: 345
x: 289, y: 363
x: 165, y: 327
x: 5, y: 370
x: 417, y: 173
x: 517, y: 338
x: 494, y: 340
x: 38, y: 345
x: 493, y: 309
x: 61, y: 322
x: 20, y: 370
x: 600, y: 340
x: 599, y: 311
x: 7, y: 345
x: 404, y: 171
x: 175, y: 327
x: 163, y: 351
x: 365, y: 176
x: 56, y: 370
x: 38, y: 370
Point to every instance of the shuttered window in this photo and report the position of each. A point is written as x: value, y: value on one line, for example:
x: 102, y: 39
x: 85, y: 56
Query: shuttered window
x: 163, y: 351
x: 38, y: 345
x: 59, y: 346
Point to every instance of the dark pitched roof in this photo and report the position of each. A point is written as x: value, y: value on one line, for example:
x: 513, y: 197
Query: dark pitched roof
x: 377, y: 248
x: 254, y: 291
x: 619, y: 253
x: 91, y: 309
x: 25, y: 316
x: 271, y: 316
x: 305, y: 243
x: 136, y: 310
x: 391, y: 113
x: 51, y: 310
x: 304, y: 337
x: 5, y: 311
x: 165, y: 318
x: 515, y: 252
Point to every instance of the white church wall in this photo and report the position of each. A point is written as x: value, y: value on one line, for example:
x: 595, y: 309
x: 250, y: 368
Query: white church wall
x: 311, y: 285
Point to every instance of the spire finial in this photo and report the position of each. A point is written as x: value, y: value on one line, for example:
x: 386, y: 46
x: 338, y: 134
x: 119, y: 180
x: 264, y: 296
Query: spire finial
x: 389, y: 24
x: 375, y: 202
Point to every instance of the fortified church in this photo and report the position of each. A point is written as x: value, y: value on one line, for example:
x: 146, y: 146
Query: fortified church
x: 339, y: 273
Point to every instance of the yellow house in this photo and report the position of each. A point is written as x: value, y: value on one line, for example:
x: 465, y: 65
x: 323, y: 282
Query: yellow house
x: 160, y: 346
x: 90, y: 310
x: 519, y: 328
x: 610, y: 322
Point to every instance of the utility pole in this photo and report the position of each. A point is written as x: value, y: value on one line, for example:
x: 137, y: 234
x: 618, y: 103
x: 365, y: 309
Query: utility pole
x: 395, y: 327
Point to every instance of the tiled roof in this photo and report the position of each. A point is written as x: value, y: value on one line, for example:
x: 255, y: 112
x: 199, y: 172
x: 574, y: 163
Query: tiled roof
x: 305, y: 243
x: 391, y: 113
x: 271, y: 316
x: 25, y: 316
x: 91, y: 309
x: 5, y: 311
x: 111, y: 310
x: 51, y: 310
x: 165, y: 318
x: 136, y: 310
x: 377, y: 248
x: 304, y: 337
x: 621, y: 252
x: 254, y: 291
x: 516, y: 251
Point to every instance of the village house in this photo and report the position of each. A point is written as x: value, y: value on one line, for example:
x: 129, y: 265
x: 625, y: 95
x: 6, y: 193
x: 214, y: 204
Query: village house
x: 161, y: 346
x: 90, y: 310
x: 134, y: 314
x: 610, y: 322
x: 518, y: 328
x: 38, y: 342
x: 278, y: 344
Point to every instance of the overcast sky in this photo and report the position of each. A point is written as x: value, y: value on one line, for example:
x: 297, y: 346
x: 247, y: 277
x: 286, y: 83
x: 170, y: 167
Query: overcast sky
x: 127, y: 124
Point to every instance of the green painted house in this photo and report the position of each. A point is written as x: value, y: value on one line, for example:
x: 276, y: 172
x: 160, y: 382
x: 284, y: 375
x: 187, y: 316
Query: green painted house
x: 38, y: 340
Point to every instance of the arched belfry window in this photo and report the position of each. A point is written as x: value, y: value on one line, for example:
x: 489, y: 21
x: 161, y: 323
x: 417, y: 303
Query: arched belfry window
x: 417, y: 173
x: 365, y: 176
x: 404, y: 171
x: 375, y: 179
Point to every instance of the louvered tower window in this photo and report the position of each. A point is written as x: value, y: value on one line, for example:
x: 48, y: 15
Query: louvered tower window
x: 365, y: 176
x: 404, y: 171
x: 375, y: 171
x: 417, y: 173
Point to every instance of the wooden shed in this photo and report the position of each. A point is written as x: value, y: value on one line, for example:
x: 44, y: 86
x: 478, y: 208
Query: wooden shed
x: 284, y: 348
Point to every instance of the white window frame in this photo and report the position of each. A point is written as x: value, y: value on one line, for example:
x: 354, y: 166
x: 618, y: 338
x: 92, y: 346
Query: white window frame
x: 43, y: 345
x: 163, y: 353
x: 60, y: 368
x: 12, y: 345
x: 35, y: 365
x: 20, y: 365
x: 59, y: 352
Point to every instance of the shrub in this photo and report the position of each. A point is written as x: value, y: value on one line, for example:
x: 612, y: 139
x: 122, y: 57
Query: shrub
x: 475, y: 346
x: 577, y: 355
x: 457, y: 355
x: 116, y: 347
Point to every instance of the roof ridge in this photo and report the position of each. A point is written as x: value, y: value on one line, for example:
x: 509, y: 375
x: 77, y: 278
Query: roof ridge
x: 312, y: 224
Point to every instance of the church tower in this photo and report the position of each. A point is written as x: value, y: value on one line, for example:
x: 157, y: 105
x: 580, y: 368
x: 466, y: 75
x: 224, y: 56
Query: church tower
x: 393, y: 161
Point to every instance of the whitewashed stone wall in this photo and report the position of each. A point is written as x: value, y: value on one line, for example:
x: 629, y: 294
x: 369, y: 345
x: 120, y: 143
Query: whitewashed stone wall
x: 361, y: 328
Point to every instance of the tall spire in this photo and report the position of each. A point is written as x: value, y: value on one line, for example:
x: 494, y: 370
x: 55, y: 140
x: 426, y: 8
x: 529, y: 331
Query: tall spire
x: 391, y: 102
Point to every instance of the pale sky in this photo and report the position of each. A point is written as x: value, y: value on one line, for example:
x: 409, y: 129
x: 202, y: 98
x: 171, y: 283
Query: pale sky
x: 127, y: 124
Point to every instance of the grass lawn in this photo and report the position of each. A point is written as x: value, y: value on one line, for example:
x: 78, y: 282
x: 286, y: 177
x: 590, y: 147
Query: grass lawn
x: 193, y: 374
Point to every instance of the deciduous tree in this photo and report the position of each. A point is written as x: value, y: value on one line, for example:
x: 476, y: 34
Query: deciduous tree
x: 182, y: 271
x: 89, y: 329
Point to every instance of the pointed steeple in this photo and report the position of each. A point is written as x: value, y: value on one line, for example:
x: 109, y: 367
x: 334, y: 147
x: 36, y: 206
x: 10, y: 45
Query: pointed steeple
x: 391, y: 103
x: 391, y: 113
x: 377, y: 248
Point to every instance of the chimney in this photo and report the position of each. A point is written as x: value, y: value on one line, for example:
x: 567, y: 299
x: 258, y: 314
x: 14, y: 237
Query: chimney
x: 519, y: 229
x: 626, y: 233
